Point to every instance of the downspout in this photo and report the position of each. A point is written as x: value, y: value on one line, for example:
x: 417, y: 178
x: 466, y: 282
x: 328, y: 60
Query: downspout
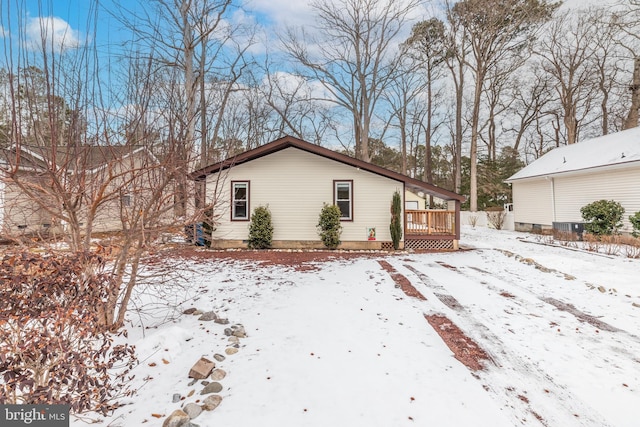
x: 553, y: 201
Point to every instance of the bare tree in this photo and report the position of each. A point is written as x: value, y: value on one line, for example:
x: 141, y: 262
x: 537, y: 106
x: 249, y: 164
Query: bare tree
x: 456, y: 53
x: 567, y: 52
x: 498, y: 31
x: 351, y: 54
x: 427, y: 45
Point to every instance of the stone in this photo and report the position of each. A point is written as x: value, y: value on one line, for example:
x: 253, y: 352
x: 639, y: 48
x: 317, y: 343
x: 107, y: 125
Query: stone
x: 176, y: 398
x: 222, y: 321
x: 238, y: 331
x: 211, y: 402
x: 602, y: 289
x: 195, y: 380
x: 218, y: 357
x: 214, y: 387
x: 192, y: 409
x: 218, y: 374
x: 177, y: 419
x: 228, y: 332
x: 234, y: 339
x: 205, y: 383
x: 197, y: 312
x: 202, y: 369
x: 635, y: 304
x: 189, y: 310
x: 208, y: 316
x: 230, y: 350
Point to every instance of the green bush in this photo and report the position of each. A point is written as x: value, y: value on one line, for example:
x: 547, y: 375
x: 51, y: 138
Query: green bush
x: 260, y: 229
x: 603, y: 217
x: 635, y: 221
x: 396, y: 222
x: 329, y: 228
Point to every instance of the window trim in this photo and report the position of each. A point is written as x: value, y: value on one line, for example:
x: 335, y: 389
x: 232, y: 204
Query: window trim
x: 351, y: 201
x: 233, y: 201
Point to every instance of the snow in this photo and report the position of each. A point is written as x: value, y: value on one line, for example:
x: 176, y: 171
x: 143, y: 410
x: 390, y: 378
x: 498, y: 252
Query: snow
x: 615, y: 149
x: 341, y: 345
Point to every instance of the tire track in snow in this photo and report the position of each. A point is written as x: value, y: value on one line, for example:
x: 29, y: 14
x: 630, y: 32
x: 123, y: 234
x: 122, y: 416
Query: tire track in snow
x: 556, y: 406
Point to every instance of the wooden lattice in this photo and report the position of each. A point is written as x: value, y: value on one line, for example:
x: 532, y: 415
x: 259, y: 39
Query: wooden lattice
x: 424, y: 244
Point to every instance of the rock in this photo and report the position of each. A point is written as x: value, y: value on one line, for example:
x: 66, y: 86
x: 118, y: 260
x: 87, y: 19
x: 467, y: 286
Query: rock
x: 205, y: 383
x: 218, y: 374
x: 192, y: 410
x: 228, y: 332
x: 635, y: 304
x: 211, y: 402
x: 208, y: 316
x: 238, y: 331
x: 176, y: 419
x: 202, y: 369
x: 218, y: 357
x: 602, y: 289
x: 197, y: 312
x: 230, y: 350
x: 176, y: 398
x: 189, y: 310
x: 195, y: 380
x: 234, y: 339
x: 222, y: 321
x: 214, y: 387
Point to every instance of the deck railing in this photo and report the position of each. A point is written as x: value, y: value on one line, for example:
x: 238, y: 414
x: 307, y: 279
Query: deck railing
x: 429, y: 222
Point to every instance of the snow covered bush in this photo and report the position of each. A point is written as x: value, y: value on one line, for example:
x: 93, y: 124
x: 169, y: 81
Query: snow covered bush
x: 53, y: 348
x: 329, y: 228
x: 260, y: 229
x: 396, y: 223
x: 603, y: 217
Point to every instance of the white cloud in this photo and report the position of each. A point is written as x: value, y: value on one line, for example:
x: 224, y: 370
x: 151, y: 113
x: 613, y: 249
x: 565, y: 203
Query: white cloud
x: 52, y: 34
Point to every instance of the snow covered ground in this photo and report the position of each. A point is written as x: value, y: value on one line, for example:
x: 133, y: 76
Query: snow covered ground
x: 342, y: 345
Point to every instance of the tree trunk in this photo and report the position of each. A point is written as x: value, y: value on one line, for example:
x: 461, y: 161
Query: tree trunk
x: 632, y: 118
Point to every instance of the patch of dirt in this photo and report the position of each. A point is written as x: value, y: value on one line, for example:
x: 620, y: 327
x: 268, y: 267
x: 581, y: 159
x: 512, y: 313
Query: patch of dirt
x: 464, y: 348
x: 583, y: 317
x: 303, y: 260
x: 401, y: 281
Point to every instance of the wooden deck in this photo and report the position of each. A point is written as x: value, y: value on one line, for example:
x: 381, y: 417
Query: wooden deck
x: 423, y: 223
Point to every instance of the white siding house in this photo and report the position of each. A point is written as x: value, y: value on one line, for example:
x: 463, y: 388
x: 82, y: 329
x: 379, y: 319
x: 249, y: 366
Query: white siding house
x: 294, y: 179
x: 554, y: 187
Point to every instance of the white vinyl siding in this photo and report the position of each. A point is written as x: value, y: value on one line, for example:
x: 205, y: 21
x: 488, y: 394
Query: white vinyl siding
x: 295, y: 184
x: 532, y: 202
x: 560, y: 197
x: 575, y: 191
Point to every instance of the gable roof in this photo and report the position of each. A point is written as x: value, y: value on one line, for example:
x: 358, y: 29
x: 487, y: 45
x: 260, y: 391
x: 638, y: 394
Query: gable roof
x: 289, y: 141
x: 620, y: 149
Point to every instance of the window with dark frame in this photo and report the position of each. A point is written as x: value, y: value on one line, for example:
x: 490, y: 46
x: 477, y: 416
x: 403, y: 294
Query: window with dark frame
x: 343, y: 198
x: 240, y: 201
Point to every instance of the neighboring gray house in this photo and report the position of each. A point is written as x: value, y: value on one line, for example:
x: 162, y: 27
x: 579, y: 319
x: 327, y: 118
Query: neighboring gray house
x: 108, y: 177
x: 295, y: 178
x: 554, y: 187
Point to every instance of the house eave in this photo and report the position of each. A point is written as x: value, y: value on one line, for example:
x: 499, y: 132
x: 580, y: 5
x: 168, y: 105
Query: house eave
x: 288, y: 142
